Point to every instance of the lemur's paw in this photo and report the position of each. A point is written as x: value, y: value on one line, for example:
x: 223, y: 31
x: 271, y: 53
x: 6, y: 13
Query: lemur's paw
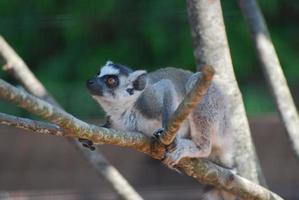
x: 171, y: 160
x: 87, y: 144
x: 155, y: 139
x: 158, y: 133
x: 184, y: 148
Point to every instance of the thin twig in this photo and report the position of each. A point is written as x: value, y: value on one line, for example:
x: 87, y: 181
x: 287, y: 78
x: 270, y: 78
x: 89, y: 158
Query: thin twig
x: 200, y: 169
x: 187, y: 105
x: 32, y: 125
x: 272, y: 70
x: 18, y: 68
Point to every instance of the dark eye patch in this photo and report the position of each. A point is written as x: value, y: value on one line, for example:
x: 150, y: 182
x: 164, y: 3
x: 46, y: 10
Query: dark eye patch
x: 130, y: 91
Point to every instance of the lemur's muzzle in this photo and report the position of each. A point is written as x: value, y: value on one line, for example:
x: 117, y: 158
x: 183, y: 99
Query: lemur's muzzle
x: 95, y: 86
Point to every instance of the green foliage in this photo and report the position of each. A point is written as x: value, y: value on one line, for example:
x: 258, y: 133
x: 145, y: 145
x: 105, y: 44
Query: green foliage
x: 65, y: 43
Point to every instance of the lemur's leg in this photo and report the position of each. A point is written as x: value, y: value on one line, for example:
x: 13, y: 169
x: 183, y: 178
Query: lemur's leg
x: 89, y: 144
x: 200, y: 127
x: 199, y: 146
x: 183, y: 147
x: 168, y: 100
x: 202, y: 122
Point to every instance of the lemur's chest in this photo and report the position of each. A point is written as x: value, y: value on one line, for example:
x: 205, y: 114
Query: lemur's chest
x: 135, y: 121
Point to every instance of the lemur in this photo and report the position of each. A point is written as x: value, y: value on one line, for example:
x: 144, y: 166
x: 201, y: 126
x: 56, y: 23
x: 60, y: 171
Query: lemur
x: 136, y: 100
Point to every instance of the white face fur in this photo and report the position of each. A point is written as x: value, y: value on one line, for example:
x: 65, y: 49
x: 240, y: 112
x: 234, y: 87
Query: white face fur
x: 108, y: 69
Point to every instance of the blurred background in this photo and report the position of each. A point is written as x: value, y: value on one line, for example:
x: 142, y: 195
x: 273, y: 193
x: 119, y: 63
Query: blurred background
x: 65, y: 43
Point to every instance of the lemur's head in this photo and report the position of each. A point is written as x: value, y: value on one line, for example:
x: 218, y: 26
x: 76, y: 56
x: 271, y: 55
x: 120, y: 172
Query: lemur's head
x: 117, y: 83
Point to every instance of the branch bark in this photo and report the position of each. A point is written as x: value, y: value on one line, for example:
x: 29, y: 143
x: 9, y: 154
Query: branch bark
x: 272, y: 70
x: 186, y: 106
x: 32, y: 125
x: 200, y: 169
x: 108, y: 171
x: 18, y: 68
x: 211, y: 48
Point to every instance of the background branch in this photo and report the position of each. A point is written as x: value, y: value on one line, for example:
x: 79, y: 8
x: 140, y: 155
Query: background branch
x: 18, y: 68
x: 32, y: 125
x: 211, y: 47
x: 200, y: 169
x: 108, y: 171
x: 272, y: 70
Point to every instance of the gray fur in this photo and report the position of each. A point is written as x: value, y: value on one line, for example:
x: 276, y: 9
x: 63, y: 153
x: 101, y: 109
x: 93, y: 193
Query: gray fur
x: 148, y: 104
x: 140, y: 82
x: 178, y: 77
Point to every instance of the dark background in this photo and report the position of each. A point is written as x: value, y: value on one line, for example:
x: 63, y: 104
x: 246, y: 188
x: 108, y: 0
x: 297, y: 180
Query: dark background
x: 66, y: 42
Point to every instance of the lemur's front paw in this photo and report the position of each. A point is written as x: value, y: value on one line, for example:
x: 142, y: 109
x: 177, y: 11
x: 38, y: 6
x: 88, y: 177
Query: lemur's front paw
x: 87, y: 144
x: 155, y: 139
x: 184, y: 148
x: 173, y: 158
x: 158, y: 133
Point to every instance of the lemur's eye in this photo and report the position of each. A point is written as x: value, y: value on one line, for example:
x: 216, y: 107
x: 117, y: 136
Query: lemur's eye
x: 112, y: 81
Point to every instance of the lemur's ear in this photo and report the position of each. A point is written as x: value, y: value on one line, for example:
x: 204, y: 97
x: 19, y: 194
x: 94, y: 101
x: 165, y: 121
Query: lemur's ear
x: 139, y: 79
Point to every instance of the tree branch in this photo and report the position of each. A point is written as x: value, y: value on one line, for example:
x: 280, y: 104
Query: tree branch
x: 272, y: 70
x: 32, y: 125
x: 187, y: 105
x: 68, y: 122
x: 18, y: 68
x: 108, y: 171
x: 200, y: 169
x: 211, y: 47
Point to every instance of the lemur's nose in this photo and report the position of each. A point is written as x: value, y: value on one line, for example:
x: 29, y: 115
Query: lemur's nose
x: 95, y: 87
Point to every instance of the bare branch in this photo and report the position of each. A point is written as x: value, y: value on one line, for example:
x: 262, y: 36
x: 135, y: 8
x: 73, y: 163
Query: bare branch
x: 211, y: 47
x: 200, y: 169
x: 108, y: 171
x: 31, y: 125
x: 186, y: 106
x: 210, y: 173
x: 68, y: 122
x: 18, y: 68
x: 119, y: 183
x: 272, y: 70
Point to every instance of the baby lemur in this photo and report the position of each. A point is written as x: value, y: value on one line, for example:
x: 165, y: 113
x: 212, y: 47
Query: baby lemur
x: 141, y: 101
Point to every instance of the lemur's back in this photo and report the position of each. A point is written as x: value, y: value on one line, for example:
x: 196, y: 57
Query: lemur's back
x: 178, y: 76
